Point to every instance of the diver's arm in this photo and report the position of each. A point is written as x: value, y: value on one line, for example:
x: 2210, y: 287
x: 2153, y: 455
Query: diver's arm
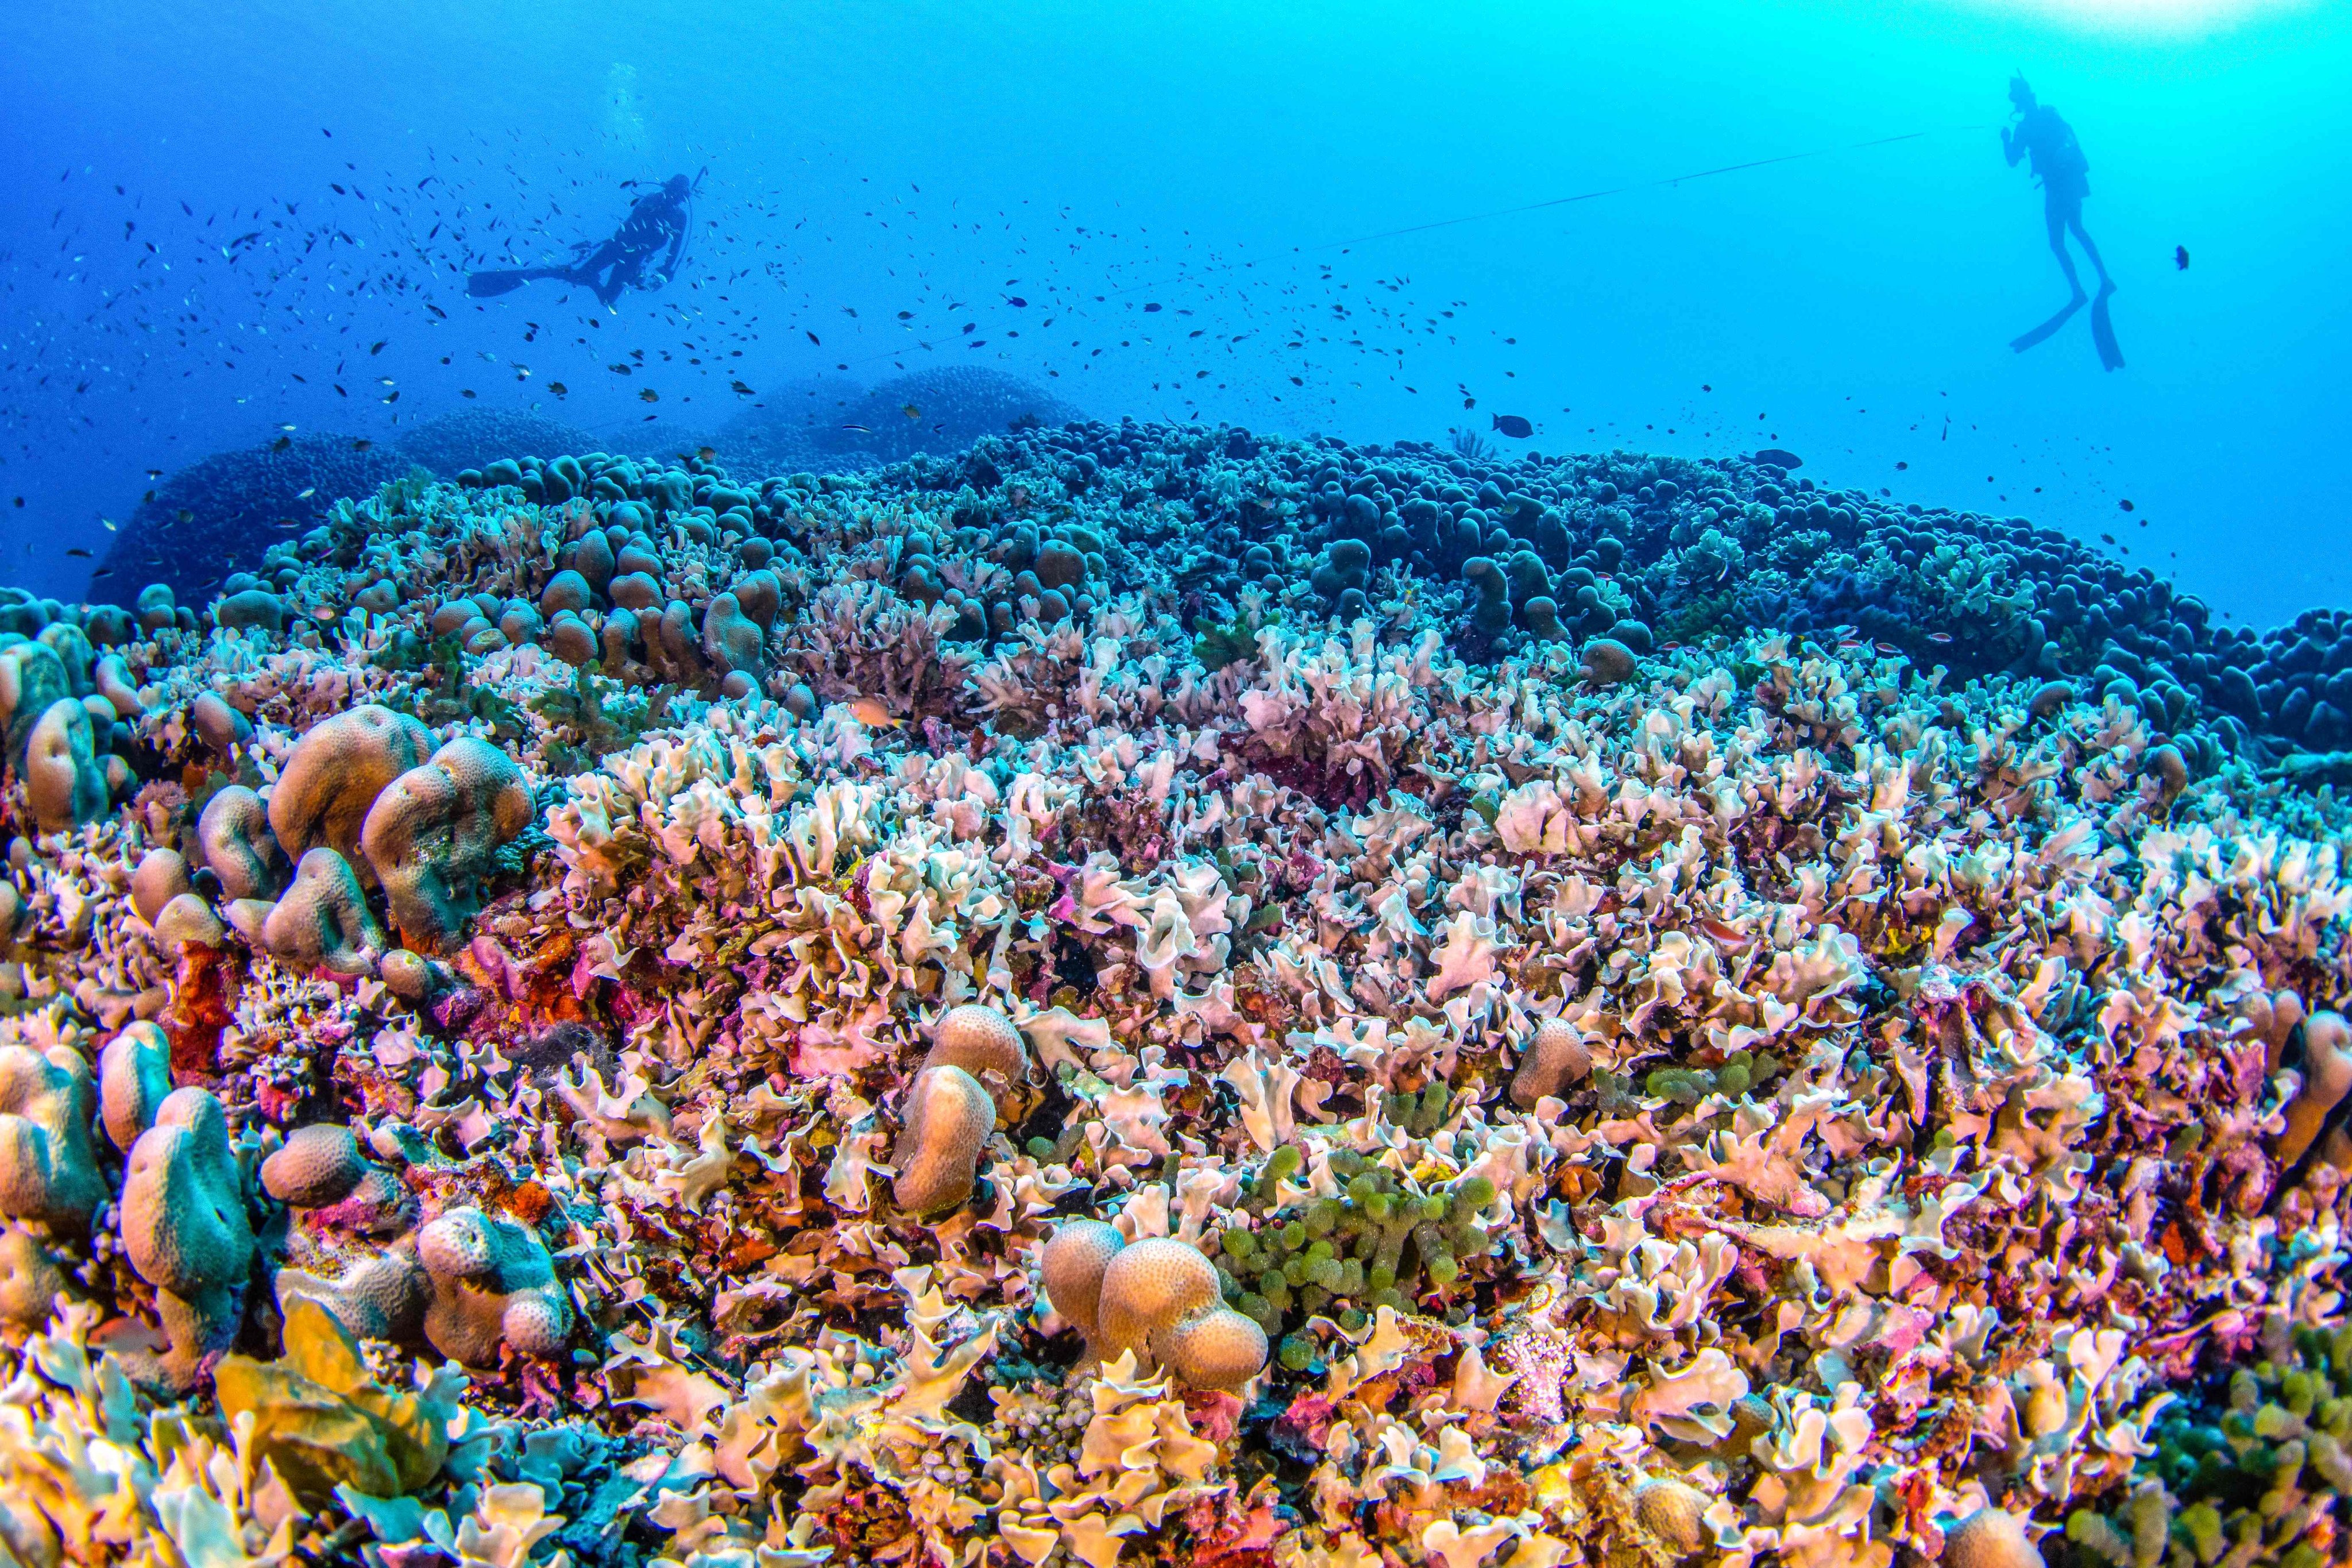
x: 2012, y: 144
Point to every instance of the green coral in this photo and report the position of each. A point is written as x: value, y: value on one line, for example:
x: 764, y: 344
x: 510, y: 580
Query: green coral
x: 322, y: 1418
x: 2255, y: 1478
x: 1740, y: 1072
x: 1381, y: 1242
x: 1219, y: 644
x: 592, y: 725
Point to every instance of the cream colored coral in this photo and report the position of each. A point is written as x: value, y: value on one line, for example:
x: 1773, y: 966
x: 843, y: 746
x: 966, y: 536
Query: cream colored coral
x: 1554, y: 1059
x: 134, y: 1075
x: 948, y: 1117
x: 1673, y: 1511
x: 161, y: 876
x: 234, y: 837
x: 979, y: 1039
x: 184, y: 1227
x: 433, y: 835
x: 493, y: 1284
x: 1157, y: 1297
x: 48, y: 1169
x: 336, y: 772
x: 323, y: 920
x: 64, y: 785
x: 2327, y: 1068
x: 1991, y: 1538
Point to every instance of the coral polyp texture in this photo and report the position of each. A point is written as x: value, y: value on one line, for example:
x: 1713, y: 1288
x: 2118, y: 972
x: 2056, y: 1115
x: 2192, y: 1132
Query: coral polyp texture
x: 1158, y: 995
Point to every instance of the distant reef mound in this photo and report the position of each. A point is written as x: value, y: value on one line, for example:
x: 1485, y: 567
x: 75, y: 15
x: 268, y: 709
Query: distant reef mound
x: 470, y: 437
x: 221, y: 513
x: 1619, y: 555
x: 945, y: 410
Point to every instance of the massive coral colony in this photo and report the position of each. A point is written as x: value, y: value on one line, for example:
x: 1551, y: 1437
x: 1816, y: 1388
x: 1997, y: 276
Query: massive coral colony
x: 1150, y: 995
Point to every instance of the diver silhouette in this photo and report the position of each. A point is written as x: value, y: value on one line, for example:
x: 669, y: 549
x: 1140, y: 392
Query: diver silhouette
x: 658, y: 219
x: 2064, y: 173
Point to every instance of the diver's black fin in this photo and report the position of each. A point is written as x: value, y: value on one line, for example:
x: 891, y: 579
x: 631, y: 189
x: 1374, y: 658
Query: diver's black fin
x: 2047, y: 329
x: 491, y: 285
x: 2103, y: 332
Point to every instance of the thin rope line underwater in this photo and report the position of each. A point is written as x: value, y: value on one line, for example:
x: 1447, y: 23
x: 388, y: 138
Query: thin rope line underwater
x: 1344, y: 245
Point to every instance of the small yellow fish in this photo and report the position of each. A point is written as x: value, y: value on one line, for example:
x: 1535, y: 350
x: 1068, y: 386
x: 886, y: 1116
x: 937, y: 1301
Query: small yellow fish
x: 866, y: 710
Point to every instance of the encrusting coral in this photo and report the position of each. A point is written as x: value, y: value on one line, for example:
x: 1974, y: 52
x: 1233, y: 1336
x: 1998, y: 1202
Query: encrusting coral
x: 1577, y: 1010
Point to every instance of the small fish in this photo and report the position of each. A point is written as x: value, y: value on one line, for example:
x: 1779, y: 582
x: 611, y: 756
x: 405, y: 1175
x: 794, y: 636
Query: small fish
x: 911, y: 412
x: 706, y: 453
x: 648, y: 396
x: 2125, y: 505
x: 78, y: 550
x: 558, y: 388
x: 1779, y: 458
x: 1511, y: 425
x: 1149, y: 309
x: 1940, y: 639
x: 306, y: 495
x: 281, y: 443
x: 872, y: 714
x: 861, y: 430
x: 1887, y: 648
x: 1847, y: 645
x: 362, y: 444
x: 1016, y: 302
x: 2180, y: 258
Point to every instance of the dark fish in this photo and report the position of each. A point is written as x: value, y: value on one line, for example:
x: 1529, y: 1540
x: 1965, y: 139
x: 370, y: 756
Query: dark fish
x: 281, y: 443
x: 1149, y: 309
x: 1016, y: 302
x: 1779, y: 458
x: 77, y: 549
x: 648, y: 396
x: 2181, y: 257
x: 861, y: 430
x: 558, y: 388
x: 362, y: 444
x: 706, y: 453
x: 1511, y: 425
x: 2124, y: 504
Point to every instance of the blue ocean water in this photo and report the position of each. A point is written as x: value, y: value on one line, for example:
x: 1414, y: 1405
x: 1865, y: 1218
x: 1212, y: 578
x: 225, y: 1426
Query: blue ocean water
x: 885, y: 182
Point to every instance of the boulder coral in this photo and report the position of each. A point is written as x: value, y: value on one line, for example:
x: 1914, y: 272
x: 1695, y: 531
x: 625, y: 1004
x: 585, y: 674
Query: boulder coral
x: 185, y: 1230
x: 1156, y: 1297
x: 324, y: 793
x: 431, y: 836
x: 493, y: 1287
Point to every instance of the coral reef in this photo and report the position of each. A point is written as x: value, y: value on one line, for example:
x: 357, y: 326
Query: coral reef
x: 1132, y: 995
x: 220, y: 514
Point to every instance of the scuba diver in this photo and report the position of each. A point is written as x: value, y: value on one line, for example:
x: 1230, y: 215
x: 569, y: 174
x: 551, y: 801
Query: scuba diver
x: 2064, y: 173
x: 658, y: 219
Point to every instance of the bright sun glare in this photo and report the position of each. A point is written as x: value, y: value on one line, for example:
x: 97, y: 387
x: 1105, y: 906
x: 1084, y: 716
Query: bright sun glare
x: 2151, y: 16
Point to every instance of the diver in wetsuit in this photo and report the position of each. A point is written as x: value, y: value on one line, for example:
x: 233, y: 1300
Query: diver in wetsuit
x: 2064, y: 173
x: 658, y: 219
x: 2058, y: 162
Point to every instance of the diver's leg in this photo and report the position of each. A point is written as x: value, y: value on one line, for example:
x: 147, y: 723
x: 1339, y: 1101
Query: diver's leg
x: 587, y: 269
x: 2055, y: 215
x: 2075, y: 222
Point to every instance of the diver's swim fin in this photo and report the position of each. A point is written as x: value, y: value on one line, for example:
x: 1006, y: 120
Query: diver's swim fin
x: 491, y: 285
x: 2103, y: 332
x: 2047, y: 329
